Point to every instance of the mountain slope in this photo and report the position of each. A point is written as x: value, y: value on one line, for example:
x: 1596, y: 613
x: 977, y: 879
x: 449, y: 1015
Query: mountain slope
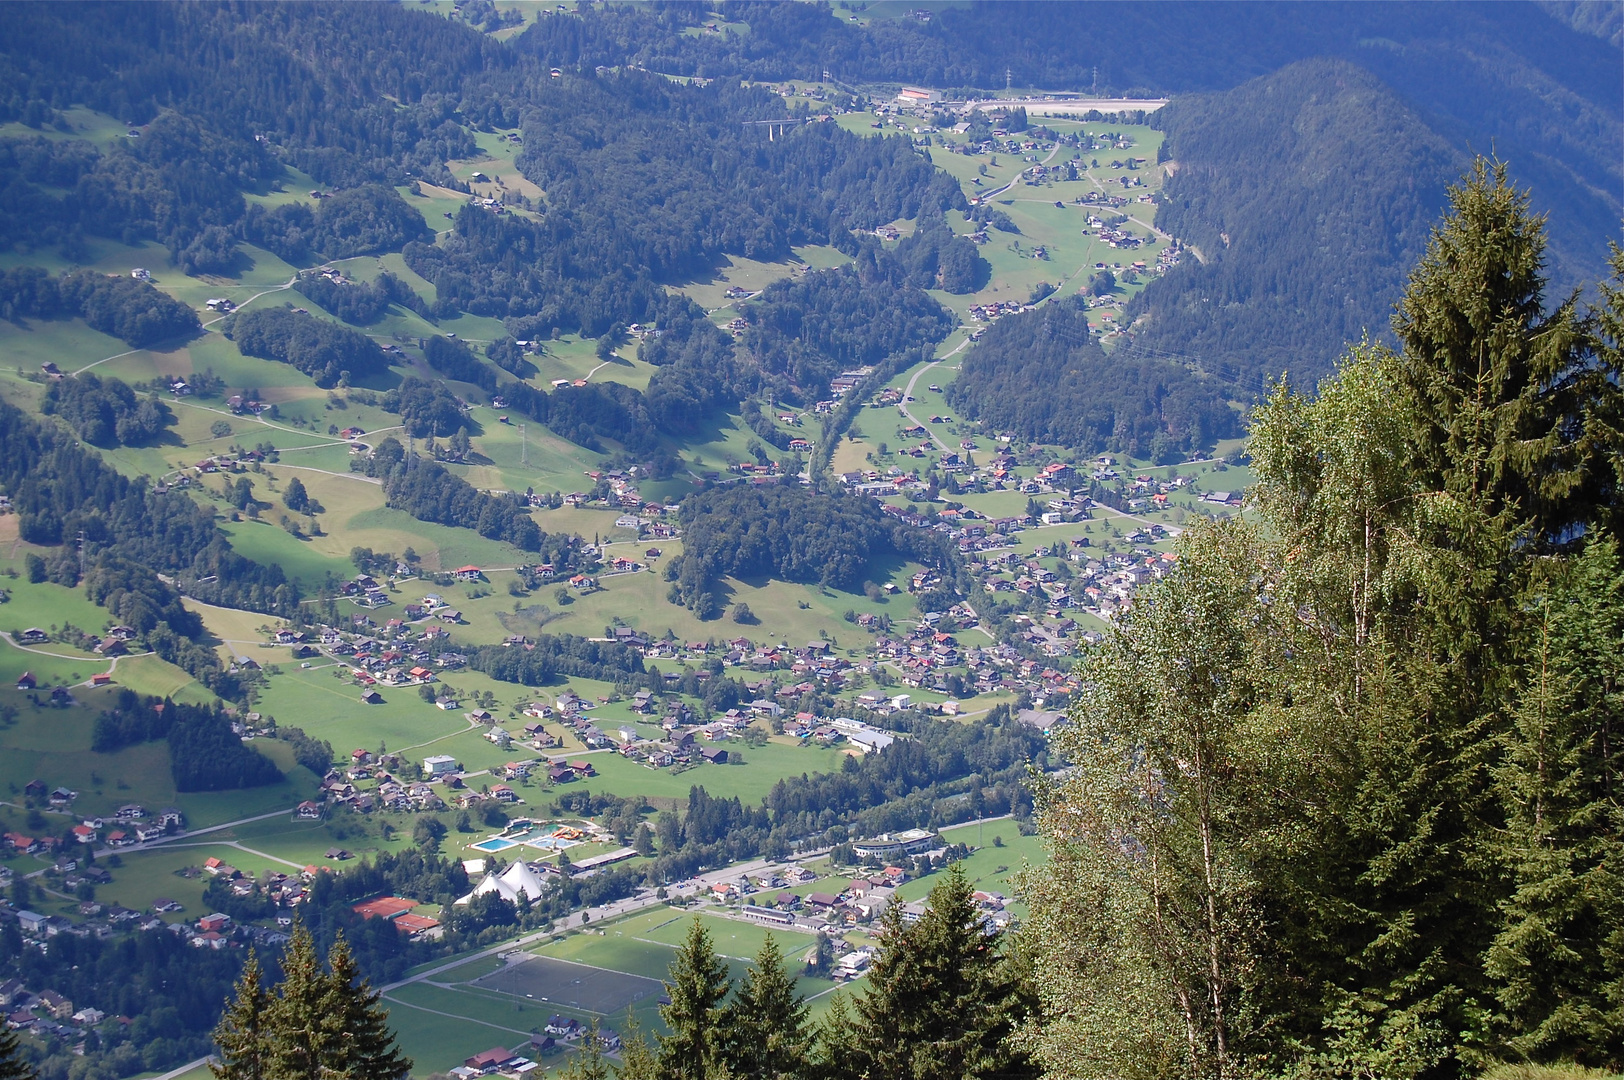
x: 1309, y: 194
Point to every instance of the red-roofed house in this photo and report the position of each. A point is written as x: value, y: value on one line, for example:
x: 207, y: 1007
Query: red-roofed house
x: 487, y: 1061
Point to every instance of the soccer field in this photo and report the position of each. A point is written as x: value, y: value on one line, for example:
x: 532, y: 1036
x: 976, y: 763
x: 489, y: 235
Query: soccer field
x: 578, y: 986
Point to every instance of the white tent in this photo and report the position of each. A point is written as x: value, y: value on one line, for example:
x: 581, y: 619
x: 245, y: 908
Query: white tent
x: 513, y: 882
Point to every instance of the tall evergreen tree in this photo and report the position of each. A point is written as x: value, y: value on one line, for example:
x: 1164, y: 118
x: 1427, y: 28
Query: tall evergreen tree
x: 1487, y: 372
x: 361, y: 1047
x: 764, y: 1031
x: 298, y: 1014
x: 13, y: 1066
x: 242, y: 1034
x: 1558, y: 961
x: 940, y: 1003
x: 699, y: 982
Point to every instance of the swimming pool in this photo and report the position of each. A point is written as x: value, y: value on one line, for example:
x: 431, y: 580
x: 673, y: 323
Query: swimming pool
x: 495, y: 843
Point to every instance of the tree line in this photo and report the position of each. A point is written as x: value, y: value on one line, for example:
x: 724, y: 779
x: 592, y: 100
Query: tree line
x: 1042, y: 375
x: 429, y: 491
x: 123, y: 307
x: 320, y: 349
x: 361, y: 303
x: 205, y: 752
x: 1345, y: 788
x: 787, y: 532
x: 106, y: 412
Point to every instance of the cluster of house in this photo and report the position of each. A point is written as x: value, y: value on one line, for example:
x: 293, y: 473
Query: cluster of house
x: 1114, y: 236
x: 560, y: 1032
x: 768, y: 896
x: 48, y: 1014
x: 130, y: 825
x: 996, y: 310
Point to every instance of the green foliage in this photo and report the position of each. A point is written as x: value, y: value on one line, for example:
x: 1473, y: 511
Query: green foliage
x: 1042, y: 374
x: 1299, y: 255
x: 803, y: 332
x: 360, y: 303
x: 941, y: 1000
x: 1490, y: 375
x: 935, y: 258
x: 429, y: 492
x: 13, y: 1066
x: 241, y: 1034
x: 789, y: 533
x: 699, y: 982
x: 323, y: 350
x: 106, y: 412
x: 1345, y: 786
x: 427, y: 409
x: 765, y: 1035
x: 314, y: 1023
x: 362, y: 220
x: 1558, y: 960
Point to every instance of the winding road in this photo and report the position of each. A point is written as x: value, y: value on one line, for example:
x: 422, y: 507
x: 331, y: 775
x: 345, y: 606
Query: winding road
x: 908, y: 393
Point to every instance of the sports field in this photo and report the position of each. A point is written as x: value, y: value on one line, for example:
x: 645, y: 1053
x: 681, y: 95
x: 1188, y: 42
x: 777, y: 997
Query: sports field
x: 564, y: 982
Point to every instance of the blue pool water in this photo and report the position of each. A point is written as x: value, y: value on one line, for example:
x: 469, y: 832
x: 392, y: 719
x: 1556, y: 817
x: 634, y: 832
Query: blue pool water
x: 495, y: 844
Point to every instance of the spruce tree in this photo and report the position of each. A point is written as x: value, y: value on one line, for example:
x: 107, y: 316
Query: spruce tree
x: 13, y: 1066
x: 638, y: 1060
x: 242, y: 1035
x: 941, y: 1003
x: 1486, y: 371
x: 361, y: 1047
x: 699, y: 982
x: 764, y: 1032
x: 1558, y: 961
x: 297, y: 1016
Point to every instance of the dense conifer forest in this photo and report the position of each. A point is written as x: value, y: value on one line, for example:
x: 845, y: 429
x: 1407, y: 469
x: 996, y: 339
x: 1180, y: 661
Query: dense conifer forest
x: 1043, y: 375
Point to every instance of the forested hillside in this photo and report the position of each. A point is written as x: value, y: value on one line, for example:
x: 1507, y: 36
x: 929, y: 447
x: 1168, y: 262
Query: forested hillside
x: 1308, y: 194
x: 1043, y: 376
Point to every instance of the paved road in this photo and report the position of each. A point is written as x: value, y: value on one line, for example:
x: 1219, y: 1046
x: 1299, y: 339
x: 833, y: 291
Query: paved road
x: 185, y: 834
x: 908, y: 393
x: 279, y: 288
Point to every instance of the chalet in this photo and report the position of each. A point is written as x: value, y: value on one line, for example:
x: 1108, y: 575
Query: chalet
x: 561, y: 774
x: 310, y: 811
x: 566, y: 1027
x: 467, y: 573
x: 582, y: 768
x: 372, y: 697
x: 33, y: 636
x: 488, y: 1061
x: 714, y: 754
x: 26, y: 681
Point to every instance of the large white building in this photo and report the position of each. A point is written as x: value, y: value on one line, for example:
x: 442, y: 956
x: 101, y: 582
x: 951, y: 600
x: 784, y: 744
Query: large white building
x: 893, y: 845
